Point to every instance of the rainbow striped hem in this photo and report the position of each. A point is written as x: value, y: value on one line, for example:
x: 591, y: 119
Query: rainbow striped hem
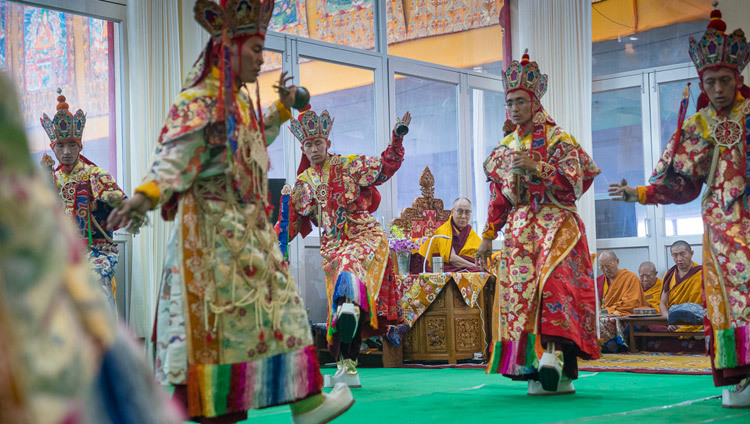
x: 215, y: 390
x: 349, y: 286
x: 732, y: 347
x: 515, y: 357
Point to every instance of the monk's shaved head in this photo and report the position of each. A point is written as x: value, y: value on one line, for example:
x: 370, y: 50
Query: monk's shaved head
x: 607, y: 254
x: 647, y: 267
x: 609, y: 264
x: 682, y: 244
x: 647, y: 275
x: 461, y: 199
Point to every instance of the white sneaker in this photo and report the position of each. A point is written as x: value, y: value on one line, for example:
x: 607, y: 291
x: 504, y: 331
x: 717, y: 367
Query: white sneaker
x: 336, y: 403
x: 550, y: 371
x: 737, y: 397
x: 347, y: 317
x: 563, y: 388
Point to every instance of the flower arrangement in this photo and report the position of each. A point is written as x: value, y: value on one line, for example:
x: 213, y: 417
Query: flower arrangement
x: 400, y: 242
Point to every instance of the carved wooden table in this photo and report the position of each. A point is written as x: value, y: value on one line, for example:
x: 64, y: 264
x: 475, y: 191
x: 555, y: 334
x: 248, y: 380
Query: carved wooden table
x: 445, y: 323
x: 635, y: 321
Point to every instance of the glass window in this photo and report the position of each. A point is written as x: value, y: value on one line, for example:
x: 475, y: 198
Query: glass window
x: 345, y: 22
x: 679, y: 220
x: 487, y: 118
x: 348, y: 94
x: 461, y: 34
x: 648, y: 49
x: 617, y: 133
x: 43, y: 49
x: 268, y: 77
x: 432, y: 140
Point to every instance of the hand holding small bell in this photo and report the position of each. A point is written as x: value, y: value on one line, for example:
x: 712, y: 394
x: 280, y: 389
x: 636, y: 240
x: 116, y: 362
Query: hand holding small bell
x: 291, y: 96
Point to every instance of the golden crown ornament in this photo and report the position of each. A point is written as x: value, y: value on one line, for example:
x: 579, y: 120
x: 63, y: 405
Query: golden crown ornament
x: 525, y: 75
x: 309, y: 125
x: 64, y: 126
x: 238, y: 17
x: 717, y: 49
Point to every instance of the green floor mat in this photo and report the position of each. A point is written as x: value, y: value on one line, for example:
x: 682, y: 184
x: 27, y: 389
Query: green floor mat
x: 433, y: 396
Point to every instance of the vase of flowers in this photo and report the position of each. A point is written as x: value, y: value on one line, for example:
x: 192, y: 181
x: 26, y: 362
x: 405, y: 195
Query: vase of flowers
x: 402, y: 245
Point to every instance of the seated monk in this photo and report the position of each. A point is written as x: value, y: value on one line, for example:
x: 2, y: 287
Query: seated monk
x: 619, y: 289
x: 682, y: 284
x: 458, y: 251
x: 651, y: 284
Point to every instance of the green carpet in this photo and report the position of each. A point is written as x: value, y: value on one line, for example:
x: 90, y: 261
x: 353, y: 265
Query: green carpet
x: 433, y: 396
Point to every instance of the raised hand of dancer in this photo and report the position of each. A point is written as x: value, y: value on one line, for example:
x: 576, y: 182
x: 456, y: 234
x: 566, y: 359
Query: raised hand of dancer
x: 623, y: 192
x: 286, y: 93
x: 130, y: 212
x: 406, y: 119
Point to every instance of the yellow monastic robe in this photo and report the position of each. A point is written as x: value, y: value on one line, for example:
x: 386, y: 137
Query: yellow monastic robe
x: 444, y: 246
x: 624, y: 293
x: 653, y: 294
x: 687, y: 290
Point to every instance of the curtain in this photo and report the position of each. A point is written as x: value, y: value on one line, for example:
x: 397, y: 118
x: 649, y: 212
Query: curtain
x: 558, y: 36
x: 154, y: 74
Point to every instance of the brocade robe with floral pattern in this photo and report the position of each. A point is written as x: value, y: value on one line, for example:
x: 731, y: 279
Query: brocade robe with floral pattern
x: 684, y: 167
x: 87, y: 191
x: 231, y: 324
x: 339, y: 196
x: 544, y: 274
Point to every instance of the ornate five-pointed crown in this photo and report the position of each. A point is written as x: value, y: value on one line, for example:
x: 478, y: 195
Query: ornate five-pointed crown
x: 717, y: 49
x: 238, y: 17
x: 64, y: 126
x: 309, y: 125
x: 525, y: 75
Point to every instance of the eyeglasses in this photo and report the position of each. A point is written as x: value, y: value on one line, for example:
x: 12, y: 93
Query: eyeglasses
x: 462, y: 212
x: 518, y: 102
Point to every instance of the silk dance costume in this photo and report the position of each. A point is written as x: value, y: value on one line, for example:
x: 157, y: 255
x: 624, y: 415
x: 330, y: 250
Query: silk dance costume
x: 88, y: 193
x: 711, y: 148
x: 232, y: 332
x: 339, y: 197
x: 546, y: 292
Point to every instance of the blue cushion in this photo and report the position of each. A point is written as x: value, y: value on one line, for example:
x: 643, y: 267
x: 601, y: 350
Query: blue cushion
x: 686, y: 314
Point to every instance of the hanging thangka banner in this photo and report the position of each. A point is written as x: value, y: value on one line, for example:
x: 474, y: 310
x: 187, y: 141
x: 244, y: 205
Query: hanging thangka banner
x: 96, y: 66
x: 289, y: 17
x: 46, y: 50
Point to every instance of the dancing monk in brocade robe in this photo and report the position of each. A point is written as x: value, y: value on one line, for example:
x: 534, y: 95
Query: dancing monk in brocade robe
x: 338, y: 194
x: 232, y: 332
x: 458, y: 252
x: 546, y: 294
x: 651, y: 285
x: 619, y: 289
x: 712, y: 147
x: 87, y: 191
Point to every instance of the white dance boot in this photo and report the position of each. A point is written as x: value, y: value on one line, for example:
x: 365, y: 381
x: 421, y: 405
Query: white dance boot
x: 336, y: 403
x: 347, y: 317
x: 565, y: 387
x: 550, y: 369
x: 738, y: 396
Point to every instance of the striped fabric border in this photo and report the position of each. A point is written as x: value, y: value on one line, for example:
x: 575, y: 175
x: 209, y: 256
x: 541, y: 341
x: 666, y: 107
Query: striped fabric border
x: 732, y: 347
x: 215, y: 390
x: 515, y: 357
x: 349, y: 286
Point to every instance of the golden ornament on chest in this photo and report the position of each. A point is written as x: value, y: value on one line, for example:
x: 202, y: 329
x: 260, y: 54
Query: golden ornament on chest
x: 727, y: 133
